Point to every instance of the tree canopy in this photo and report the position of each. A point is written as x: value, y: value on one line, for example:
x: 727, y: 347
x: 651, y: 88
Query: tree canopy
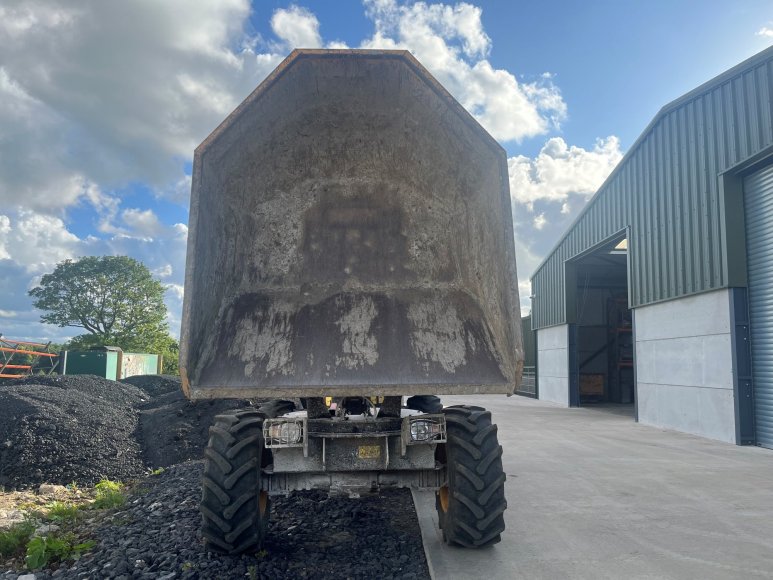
x: 114, y: 298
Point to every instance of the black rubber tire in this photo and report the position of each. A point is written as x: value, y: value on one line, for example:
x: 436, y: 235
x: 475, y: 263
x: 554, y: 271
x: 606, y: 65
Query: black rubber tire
x: 234, y: 508
x: 276, y: 408
x: 471, y: 503
x: 425, y: 403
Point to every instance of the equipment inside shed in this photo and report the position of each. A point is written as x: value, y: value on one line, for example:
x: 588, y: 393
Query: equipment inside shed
x: 605, y: 347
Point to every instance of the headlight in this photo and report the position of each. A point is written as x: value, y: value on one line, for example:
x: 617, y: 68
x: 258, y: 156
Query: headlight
x: 279, y: 432
x: 423, y: 430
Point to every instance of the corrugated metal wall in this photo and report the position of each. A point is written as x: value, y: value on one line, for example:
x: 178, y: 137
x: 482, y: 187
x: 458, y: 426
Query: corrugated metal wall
x: 667, y: 190
x: 758, y: 198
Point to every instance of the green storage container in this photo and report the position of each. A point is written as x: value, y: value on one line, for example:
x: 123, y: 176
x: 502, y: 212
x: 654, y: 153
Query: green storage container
x: 110, y: 362
x: 103, y: 362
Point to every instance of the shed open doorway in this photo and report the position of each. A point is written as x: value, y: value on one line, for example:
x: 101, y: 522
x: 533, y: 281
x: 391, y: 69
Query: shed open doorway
x: 604, y: 346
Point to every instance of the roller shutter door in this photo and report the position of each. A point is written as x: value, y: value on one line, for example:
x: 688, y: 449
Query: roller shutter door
x: 758, y: 201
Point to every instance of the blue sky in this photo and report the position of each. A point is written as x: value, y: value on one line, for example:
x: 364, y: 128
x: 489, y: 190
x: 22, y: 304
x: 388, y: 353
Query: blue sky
x: 102, y: 104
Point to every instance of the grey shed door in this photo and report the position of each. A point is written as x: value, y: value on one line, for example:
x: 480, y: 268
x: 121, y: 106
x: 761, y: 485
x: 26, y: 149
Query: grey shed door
x: 758, y: 199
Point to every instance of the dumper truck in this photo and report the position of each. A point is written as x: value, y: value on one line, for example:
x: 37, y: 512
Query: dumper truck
x: 350, y: 258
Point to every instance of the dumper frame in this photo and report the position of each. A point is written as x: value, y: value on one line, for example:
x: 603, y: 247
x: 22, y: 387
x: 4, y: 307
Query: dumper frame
x: 350, y: 236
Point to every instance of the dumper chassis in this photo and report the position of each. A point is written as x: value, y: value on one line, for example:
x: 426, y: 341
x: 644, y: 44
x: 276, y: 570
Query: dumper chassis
x: 350, y: 237
x: 253, y: 456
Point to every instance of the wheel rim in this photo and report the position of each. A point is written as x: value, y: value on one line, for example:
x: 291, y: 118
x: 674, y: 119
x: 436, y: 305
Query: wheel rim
x: 445, y: 496
x: 263, y: 503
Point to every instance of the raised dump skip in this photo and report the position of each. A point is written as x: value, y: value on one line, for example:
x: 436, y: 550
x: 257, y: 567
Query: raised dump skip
x: 350, y: 234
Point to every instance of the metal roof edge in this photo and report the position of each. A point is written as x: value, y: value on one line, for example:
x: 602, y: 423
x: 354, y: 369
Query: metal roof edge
x: 751, y: 62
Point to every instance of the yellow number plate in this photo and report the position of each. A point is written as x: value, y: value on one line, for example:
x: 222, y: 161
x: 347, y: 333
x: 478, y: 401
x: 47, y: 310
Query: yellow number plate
x: 369, y: 451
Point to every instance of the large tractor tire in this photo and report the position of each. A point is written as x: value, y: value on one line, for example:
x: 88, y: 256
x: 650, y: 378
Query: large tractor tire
x: 234, y: 507
x: 425, y: 403
x: 471, y: 503
x: 276, y: 408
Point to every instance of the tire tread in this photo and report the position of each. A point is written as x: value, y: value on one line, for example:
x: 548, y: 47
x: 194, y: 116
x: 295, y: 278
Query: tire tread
x: 230, y: 506
x: 475, y: 476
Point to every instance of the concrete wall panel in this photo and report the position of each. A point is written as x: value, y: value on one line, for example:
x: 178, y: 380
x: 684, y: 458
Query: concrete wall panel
x: 718, y: 361
x: 553, y: 364
x: 684, y: 365
x: 555, y: 390
x: 698, y: 315
x: 716, y: 416
x: 553, y: 337
x: 701, y: 411
x: 645, y: 351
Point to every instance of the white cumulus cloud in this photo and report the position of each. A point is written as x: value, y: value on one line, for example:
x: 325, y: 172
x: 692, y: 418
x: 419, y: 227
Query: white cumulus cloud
x: 5, y: 229
x: 143, y: 223
x: 102, y: 94
x: 527, y: 261
x: 36, y: 242
x: 115, y: 92
x: 177, y: 290
x: 451, y: 43
x: 560, y: 170
x: 765, y: 31
x: 163, y: 271
x: 297, y: 27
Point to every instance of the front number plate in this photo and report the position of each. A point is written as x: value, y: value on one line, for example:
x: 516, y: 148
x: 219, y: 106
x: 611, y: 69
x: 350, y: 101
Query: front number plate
x: 369, y: 451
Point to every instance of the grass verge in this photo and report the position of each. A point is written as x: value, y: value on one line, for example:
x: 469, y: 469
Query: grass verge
x: 51, y: 534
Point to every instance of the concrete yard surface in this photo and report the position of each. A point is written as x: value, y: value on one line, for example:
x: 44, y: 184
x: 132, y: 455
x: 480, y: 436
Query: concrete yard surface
x: 592, y: 494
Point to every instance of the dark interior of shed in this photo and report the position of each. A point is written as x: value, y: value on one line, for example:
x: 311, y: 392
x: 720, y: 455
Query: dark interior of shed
x: 605, y: 347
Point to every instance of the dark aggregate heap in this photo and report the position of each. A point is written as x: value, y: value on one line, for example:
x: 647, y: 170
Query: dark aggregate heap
x: 154, y: 385
x: 175, y: 429
x: 310, y: 536
x: 82, y: 428
x: 72, y: 428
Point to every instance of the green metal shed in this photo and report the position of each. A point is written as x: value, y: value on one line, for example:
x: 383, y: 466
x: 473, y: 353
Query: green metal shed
x: 686, y: 317
x: 110, y: 362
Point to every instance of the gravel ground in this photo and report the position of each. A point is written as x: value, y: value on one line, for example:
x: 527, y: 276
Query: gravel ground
x: 72, y: 428
x: 82, y: 428
x: 310, y: 536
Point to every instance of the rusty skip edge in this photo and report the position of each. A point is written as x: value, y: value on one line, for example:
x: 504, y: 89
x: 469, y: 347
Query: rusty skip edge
x: 248, y: 392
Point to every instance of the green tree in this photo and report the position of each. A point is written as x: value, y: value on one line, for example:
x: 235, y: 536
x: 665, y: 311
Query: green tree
x: 114, y: 298
x: 171, y: 352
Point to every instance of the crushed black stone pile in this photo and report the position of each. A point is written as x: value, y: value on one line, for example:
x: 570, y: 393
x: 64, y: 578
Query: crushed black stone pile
x: 175, y: 429
x: 310, y: 536
x: 154, y: 385
x: 72, y: 428
x: 83, y: 428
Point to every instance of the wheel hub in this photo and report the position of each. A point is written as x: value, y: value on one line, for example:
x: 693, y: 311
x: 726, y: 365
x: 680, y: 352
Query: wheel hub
x: 444, y: 494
